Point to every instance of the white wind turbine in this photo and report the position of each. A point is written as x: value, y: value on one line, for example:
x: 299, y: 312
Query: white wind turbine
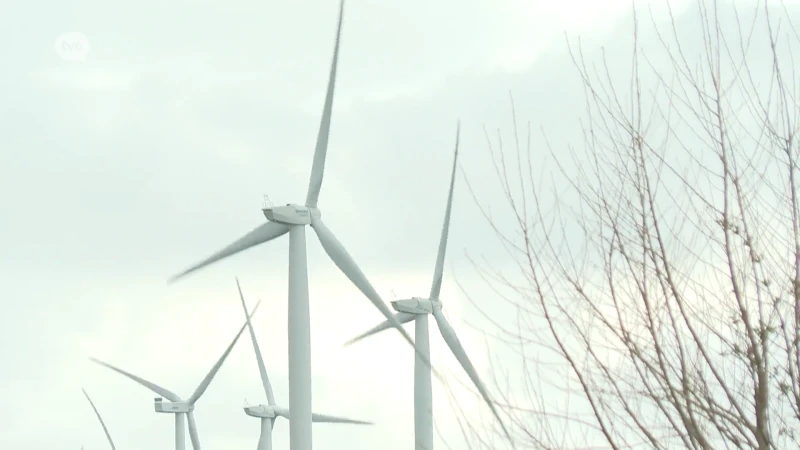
x: 176, y: 404
x: 418, y: 309
x: 102, y: 423
x: 271, y: 411
x: 293, y: 218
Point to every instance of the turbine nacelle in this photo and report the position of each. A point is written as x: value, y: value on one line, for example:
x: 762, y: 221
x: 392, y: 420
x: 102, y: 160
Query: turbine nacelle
x: 261, y: 411
x: 416, y: 305
x: 172, y: 407
x: 291, y: 214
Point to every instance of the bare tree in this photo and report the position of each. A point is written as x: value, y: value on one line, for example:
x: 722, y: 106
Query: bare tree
x: 656, y: 272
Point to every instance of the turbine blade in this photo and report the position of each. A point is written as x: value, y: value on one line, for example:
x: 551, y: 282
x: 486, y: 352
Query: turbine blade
x: 261, y: 368
x: 193, y: 431
x: 323, y: 418
x: 450, y: 337
x: 348, y: 266
x: 318, y: 167
x: 213, y: 372
x: 439, y: 271
x: 265, y: 439
x: 280, y: 411
x: 261, y: 234
x: 167, y: 394
x: 100, y: 418
x: 385, y: 325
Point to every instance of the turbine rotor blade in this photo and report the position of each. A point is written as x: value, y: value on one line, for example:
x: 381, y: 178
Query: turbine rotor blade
x: 280, y: 411
x: 321, y: 418
x: 436, y: 287
x: 324, y: 418
x: 452, y: 341
x: 265, y: 439
x: 261, y: 234
x: 261, y: 368
x: 166, y: 393
x: 348, y: 266
x: 193, y: 431
x: 213, y: 372
x: 318, y: 167
x: 100, y: 418
x: 385, y: 325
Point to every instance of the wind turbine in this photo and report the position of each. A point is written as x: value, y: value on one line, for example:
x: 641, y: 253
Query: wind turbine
x: 271, y: 411
x: 292, y: 219
x: 418, y: 309
x: 176, y: 404
x: 102, y: 423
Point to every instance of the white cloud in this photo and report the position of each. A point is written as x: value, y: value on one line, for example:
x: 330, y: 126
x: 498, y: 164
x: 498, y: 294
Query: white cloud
x: 90, y: 79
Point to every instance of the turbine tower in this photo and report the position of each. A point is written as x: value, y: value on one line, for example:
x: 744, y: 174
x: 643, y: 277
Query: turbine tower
x: 102, y: 423
x: 271, y: 411
x: 292, y: 219
x: 418, y: 309
x: 176, y: 405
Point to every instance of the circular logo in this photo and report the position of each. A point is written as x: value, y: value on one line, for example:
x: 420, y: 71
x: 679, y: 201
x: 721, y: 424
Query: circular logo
x: 72, y: 46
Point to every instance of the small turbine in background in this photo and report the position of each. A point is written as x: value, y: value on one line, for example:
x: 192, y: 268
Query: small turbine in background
x: 179, y: 407
x: 418, y: 309
x: 271, y: 411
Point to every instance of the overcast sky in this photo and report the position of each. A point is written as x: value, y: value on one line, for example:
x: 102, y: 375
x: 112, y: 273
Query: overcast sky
x: 122, y: 170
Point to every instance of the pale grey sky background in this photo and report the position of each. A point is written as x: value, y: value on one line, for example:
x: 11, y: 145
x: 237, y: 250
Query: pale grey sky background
x: 120, y: 171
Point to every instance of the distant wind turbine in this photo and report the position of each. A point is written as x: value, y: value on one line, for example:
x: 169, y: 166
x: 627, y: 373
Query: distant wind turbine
x: 271, y: 411
x: 176, y: 404
x: 292, y: 219
x: 102, y: 423
x: 418, y: 309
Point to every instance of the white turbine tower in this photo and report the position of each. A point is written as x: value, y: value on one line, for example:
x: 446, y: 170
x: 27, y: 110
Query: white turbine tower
x: 418, y: 309
x: 271, y: 411
x: 176, y: 404
x: 102, y: 423
x: 293, y: 218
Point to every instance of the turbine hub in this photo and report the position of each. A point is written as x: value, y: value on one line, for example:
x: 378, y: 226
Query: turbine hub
x: 291, y: 214
x: 417, y: 305
x: 261, y: 411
